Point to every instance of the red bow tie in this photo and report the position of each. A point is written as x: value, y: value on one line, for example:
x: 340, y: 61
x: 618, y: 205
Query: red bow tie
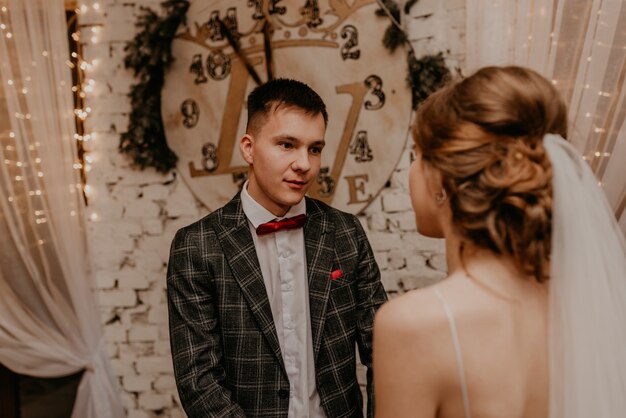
x: 283, y: 224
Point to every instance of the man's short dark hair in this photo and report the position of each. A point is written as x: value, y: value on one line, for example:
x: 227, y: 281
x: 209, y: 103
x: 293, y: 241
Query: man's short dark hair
x: 282, y: 92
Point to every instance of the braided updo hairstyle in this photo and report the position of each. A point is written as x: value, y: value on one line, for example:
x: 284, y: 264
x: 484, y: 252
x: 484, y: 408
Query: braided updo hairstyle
x: 484, y: 134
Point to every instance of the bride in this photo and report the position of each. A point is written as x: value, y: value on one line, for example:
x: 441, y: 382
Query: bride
x: 531, y: 322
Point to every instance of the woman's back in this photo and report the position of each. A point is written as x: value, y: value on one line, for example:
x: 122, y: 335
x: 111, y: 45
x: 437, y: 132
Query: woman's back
x: 501, y: 326
x: 520, y: 211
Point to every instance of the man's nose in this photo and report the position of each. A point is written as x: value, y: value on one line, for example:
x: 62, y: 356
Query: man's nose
x: 301, y: 162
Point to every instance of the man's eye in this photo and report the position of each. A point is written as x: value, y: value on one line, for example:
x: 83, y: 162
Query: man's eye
x: 412, y: 156
x: 316, y: 150
x: 285, y: 145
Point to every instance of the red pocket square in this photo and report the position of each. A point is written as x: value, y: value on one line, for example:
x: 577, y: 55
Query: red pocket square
x: 336, y: 274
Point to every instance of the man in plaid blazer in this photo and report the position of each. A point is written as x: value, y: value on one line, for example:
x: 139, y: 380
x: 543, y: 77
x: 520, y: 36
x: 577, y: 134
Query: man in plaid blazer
x: 265, y: 317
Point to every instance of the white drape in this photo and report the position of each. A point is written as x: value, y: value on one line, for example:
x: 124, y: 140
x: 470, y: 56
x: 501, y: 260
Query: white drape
x: 581, y: 46
x: 49, y: 319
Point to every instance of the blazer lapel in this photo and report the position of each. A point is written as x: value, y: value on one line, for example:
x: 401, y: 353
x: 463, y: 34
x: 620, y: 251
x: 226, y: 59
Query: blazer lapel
x: 236, y: 241
x: 318, y: 238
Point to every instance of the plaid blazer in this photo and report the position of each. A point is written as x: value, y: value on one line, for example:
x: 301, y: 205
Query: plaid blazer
x: 225, y: 348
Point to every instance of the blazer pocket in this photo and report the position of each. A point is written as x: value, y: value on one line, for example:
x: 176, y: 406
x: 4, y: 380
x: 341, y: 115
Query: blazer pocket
x: 344, y: 280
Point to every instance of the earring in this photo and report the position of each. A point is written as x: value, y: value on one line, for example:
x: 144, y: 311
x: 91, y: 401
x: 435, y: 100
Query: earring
x: 441, y: 197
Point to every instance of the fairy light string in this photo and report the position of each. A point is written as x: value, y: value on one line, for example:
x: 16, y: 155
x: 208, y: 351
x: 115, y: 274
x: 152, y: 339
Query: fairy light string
x: 22, y: 162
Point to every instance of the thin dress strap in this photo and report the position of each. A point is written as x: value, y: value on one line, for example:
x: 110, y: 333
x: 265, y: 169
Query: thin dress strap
x: 457, y: 353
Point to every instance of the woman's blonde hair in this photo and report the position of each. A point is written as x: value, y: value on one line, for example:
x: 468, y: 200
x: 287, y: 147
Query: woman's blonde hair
x: 484, y: 134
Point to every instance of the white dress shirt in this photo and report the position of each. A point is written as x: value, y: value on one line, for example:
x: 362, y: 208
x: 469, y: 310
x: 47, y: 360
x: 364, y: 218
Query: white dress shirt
x: 283, y: 264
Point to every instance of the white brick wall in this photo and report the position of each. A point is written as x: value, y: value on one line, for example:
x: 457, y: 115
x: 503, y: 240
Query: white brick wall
x: 138, y: 212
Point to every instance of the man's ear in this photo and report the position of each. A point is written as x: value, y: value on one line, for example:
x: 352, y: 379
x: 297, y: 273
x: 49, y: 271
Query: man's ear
x: 245, y: 146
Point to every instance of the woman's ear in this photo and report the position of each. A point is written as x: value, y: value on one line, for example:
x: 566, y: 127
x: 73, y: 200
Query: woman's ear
x: 246, y: 145
x: 434, y: 179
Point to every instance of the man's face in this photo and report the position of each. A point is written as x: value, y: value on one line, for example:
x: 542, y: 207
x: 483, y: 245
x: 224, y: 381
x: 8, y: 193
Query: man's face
x: 284, y: 157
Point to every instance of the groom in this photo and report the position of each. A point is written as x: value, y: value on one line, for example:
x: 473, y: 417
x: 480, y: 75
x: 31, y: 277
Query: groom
x: 270, y: 295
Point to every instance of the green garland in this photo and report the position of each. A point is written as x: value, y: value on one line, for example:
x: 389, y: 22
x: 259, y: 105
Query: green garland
x: 149, y: 55
x: 426, y: 74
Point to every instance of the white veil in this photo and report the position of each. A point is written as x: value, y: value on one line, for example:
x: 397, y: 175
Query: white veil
x: 587, y: 294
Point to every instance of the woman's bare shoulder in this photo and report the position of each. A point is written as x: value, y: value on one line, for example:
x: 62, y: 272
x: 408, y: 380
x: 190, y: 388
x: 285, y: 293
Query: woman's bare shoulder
x: 411, y: 354
x: 412, y: 316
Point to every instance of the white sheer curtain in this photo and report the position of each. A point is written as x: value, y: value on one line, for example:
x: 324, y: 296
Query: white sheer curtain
x: 581, y: 46
x: 49, y: 319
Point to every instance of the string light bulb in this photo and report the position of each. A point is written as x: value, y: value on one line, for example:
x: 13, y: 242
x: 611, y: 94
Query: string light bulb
x: 80, y: 86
